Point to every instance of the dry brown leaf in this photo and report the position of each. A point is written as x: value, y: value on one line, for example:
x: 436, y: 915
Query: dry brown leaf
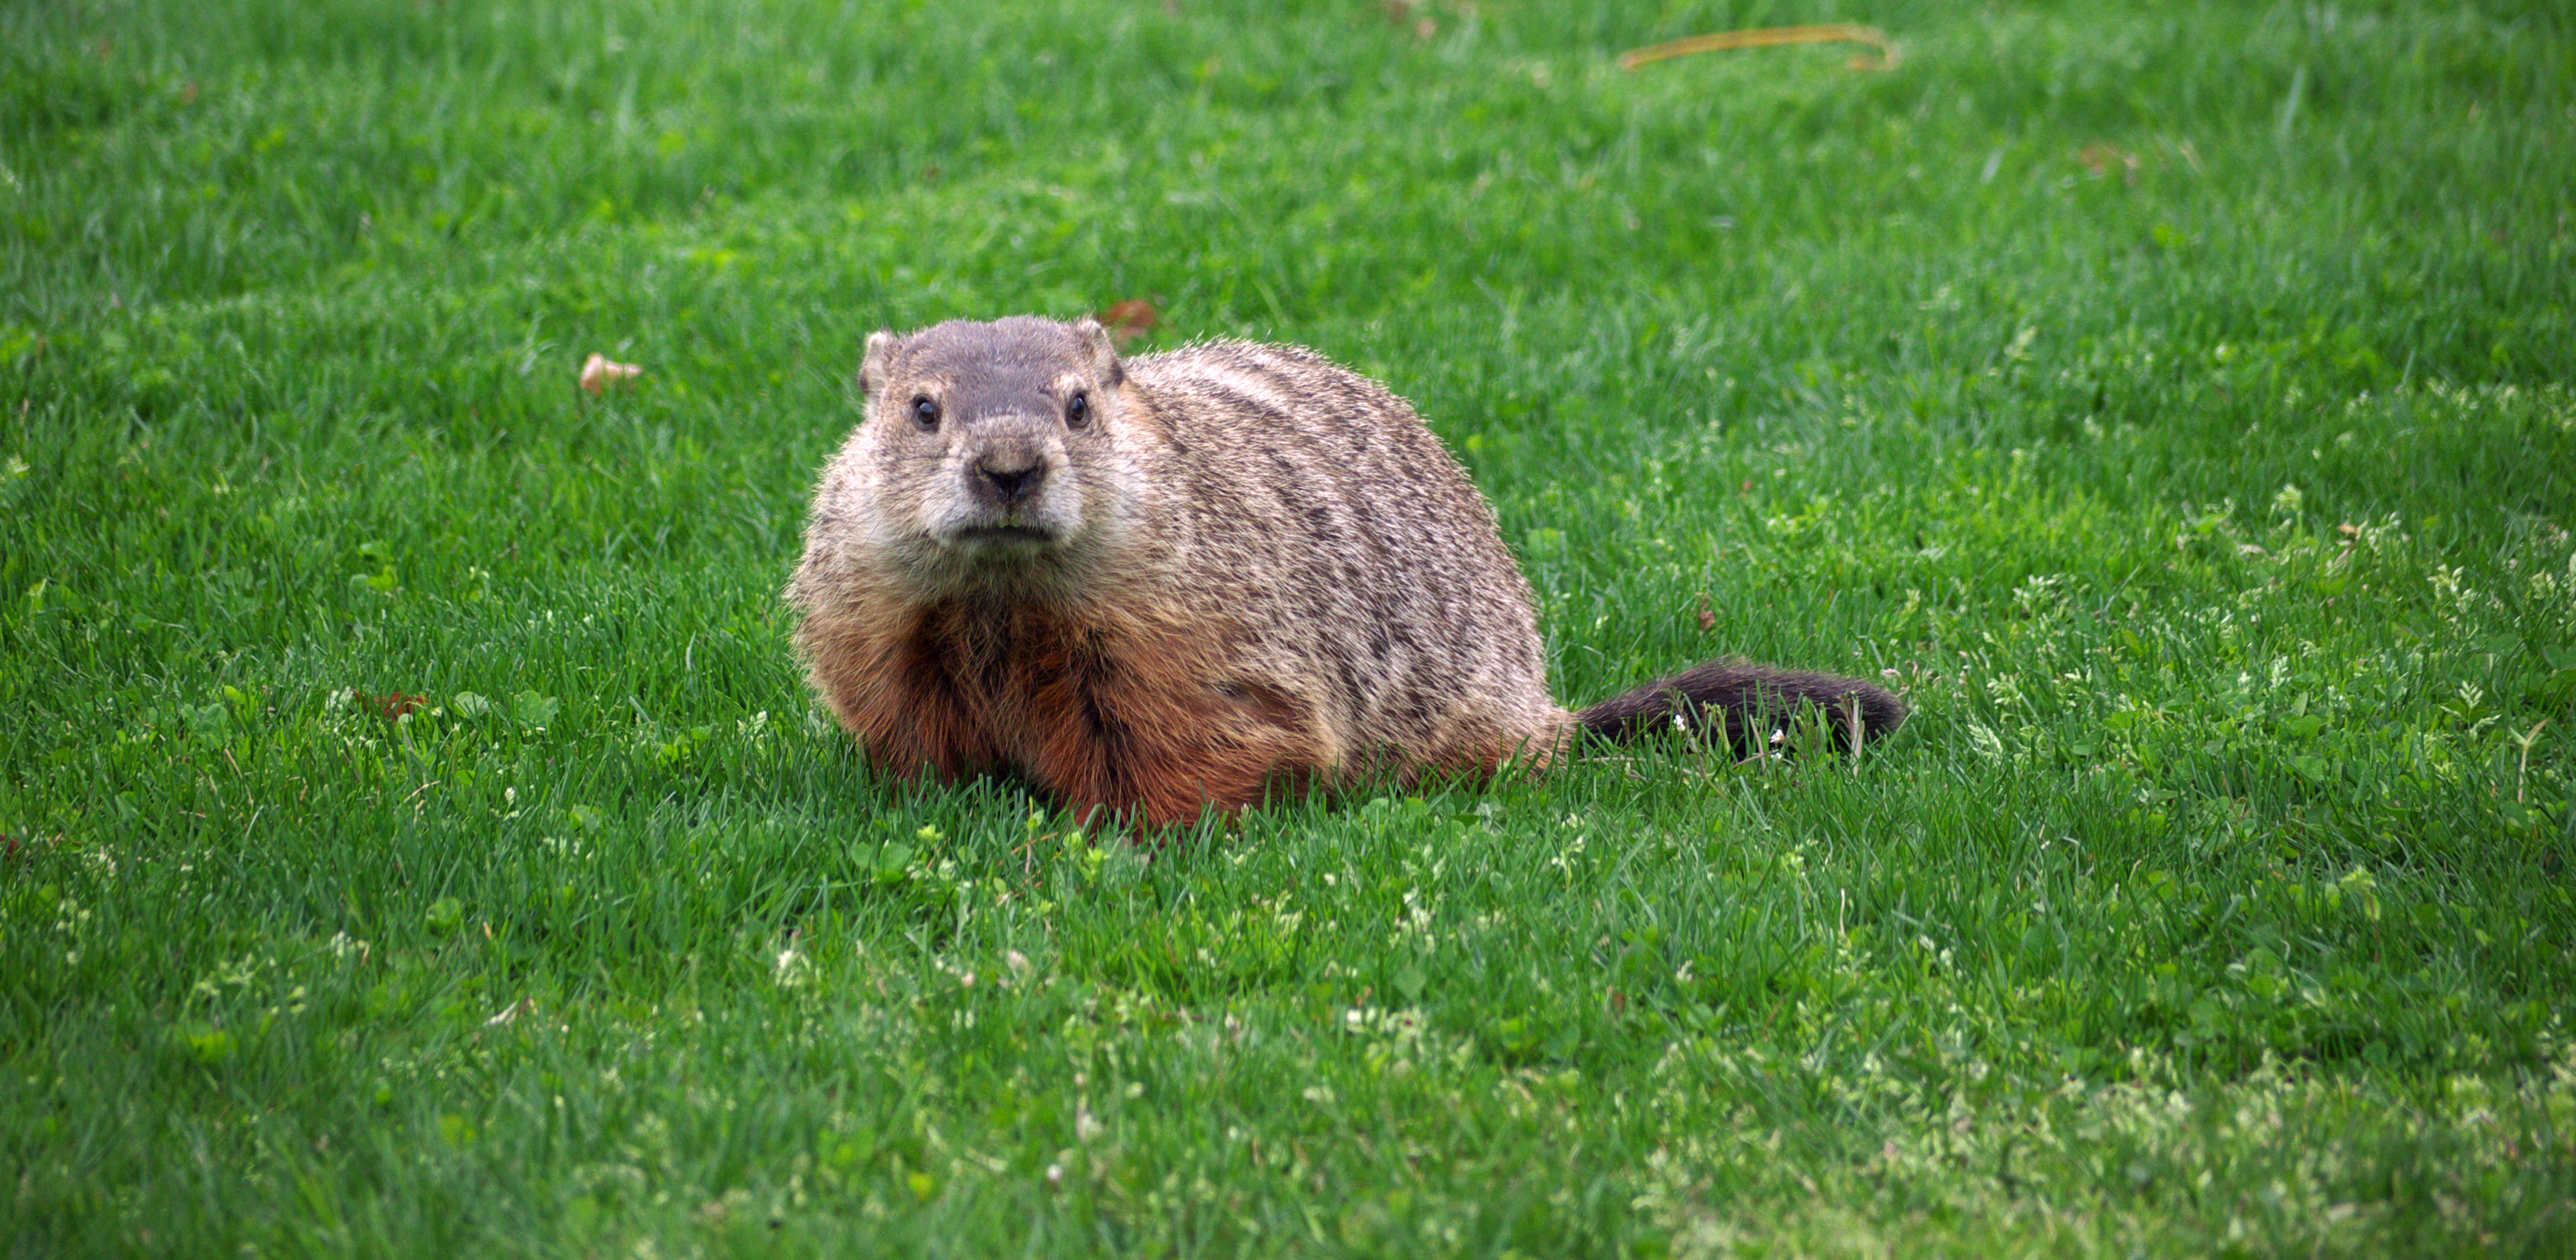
x: 1415, y: 14
x: 598, y: 373
x: 1128, y: 320
x: 2098, y: 159
x: 1707, y: 618
x: 1774, y: 37
x: 390, y: 708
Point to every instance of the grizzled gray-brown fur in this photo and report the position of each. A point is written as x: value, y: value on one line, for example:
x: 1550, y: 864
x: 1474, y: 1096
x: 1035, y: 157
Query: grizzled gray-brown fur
x: 1186, y: 580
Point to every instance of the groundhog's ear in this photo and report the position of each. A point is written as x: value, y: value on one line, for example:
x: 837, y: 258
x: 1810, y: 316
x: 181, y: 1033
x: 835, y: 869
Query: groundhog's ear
x: 1104, y: 352
x: 878, y: 364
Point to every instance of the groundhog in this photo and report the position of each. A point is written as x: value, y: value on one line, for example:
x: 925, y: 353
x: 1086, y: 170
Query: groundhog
x: 1185, y: 581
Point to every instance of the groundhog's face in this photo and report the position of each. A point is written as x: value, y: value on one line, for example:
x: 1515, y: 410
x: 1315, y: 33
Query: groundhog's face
x: 990, y: 444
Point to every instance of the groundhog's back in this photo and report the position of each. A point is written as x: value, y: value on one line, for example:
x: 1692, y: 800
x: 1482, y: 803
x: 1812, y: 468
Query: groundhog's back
x: 1311, y: 506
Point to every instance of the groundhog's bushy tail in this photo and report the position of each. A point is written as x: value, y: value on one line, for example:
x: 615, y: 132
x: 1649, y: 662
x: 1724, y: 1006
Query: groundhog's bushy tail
x: 1751, y: 703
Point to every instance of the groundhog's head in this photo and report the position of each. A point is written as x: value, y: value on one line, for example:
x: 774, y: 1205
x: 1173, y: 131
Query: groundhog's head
x: 992, y: 445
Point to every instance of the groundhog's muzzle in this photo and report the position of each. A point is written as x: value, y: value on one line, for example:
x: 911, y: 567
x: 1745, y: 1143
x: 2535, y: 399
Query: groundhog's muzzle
x: 1012, y: 489
x: 1007, y: 475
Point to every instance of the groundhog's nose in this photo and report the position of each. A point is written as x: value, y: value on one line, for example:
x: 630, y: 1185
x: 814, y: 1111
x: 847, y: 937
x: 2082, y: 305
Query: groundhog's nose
x: 1011, y: 477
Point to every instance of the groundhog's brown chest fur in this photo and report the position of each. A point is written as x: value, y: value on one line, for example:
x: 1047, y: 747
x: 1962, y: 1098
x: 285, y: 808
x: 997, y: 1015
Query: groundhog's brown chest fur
x: 1096, y: 709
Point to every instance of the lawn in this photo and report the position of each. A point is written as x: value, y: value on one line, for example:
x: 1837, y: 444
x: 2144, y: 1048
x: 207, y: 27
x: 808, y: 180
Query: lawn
x: 420, y: 839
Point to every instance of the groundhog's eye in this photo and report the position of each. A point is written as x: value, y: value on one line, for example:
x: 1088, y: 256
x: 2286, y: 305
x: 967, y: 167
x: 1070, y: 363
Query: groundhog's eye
x: 925, y: 413
x: 1077, y: 413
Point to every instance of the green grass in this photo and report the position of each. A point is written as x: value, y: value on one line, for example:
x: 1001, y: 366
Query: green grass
x: 2175, y: 398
